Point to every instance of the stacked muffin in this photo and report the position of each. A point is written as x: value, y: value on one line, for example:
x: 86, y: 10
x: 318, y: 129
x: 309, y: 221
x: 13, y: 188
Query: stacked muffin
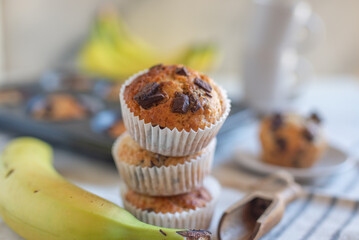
x: 172, y: 115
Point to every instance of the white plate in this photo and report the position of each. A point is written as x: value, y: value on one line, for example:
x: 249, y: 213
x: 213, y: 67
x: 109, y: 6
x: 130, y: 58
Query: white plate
x: 333, y: 161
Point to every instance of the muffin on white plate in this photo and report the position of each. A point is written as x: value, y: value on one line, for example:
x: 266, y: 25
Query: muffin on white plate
x: 291, y: 140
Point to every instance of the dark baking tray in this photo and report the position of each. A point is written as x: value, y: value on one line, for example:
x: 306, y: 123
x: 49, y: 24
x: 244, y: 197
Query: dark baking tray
x: 85, y: 136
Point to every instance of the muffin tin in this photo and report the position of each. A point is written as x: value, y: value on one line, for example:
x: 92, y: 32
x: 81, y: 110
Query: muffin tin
x: 90, y: 105
x: 89, y: 135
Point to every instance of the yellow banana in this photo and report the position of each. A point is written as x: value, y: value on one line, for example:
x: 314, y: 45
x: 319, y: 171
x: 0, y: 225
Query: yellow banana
x: 39, y: 204
x: 112, y: 51
x: 100, y: 59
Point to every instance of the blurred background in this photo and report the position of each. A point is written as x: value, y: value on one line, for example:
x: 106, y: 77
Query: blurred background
x: 39, y: 35
x: 62, y: 63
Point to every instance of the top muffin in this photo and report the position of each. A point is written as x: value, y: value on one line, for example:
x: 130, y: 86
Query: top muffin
x: 175, y: 96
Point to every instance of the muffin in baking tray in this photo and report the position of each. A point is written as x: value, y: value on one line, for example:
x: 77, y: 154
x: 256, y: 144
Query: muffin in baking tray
x: 11, y: 97
x: 292, y: 140
x: 59, y: 107
x: 190, y: 210
x: 173, y: 110
x: 157, y: 175
x: 107, y: 90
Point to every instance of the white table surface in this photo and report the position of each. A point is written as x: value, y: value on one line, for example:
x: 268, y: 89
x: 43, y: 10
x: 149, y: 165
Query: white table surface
x: 336, y: 98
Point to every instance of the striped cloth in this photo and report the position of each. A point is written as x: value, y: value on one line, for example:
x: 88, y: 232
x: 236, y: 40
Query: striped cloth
x: 315, y: 216
x: 318, y: 217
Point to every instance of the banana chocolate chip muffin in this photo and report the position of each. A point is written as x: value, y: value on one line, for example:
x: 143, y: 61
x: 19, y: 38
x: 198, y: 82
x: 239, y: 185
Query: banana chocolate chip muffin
x: 175, y: 97
x: 190, y: 210
x: 171, y: 204
x: 291, y: 140
x: 174, y: 100
x: 158, y: 175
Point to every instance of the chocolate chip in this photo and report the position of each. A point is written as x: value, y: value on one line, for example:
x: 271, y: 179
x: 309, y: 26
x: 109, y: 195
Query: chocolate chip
x: 152, y: 164
x: 281, y: 143
x: 151, y: 101
x: 308, y: 134
x: 154, y: 125
x: 208, y: 95
x: 149, y: 89
x: 202, y: 84
x: 161, y: 159
x: 315, y: 117
x: 195, y: 104
x: 180, y: 103
x: 277, y: 121
x: 156, y: 66
x: 182, y: 71
x: 149, y: 209
x: 149, y: 96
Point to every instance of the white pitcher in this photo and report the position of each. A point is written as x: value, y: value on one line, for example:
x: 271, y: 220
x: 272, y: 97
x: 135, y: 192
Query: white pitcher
x: 273, y: 71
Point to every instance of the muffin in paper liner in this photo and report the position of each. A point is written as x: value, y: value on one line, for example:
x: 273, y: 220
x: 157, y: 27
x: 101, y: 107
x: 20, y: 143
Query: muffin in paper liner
x: 199, y: 218
x: 165, y: 141
x: 166, y: 180
x: 291, y: 140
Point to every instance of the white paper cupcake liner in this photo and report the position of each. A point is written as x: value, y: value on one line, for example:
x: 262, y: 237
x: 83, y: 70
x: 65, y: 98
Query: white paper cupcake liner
x: 199, y: 218
x: 166, y: 141
x: 165, y: 180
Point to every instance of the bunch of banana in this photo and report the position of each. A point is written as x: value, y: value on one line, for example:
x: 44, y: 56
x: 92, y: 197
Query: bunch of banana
x: 112, y: 51
x: 39, y: 204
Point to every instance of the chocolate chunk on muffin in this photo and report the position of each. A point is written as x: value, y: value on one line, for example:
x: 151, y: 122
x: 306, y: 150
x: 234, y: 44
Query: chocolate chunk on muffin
x: 291, y: 140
